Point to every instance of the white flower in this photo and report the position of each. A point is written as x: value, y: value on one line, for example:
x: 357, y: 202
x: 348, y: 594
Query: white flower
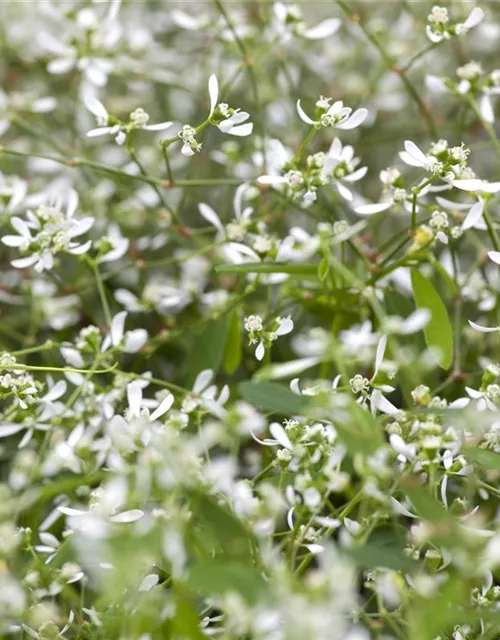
x: 129, y: 342
x: 415, y: 157
x: 48, y: 231
x: 288, y: 22
x: 138, y: 120
x: 232, y: 119
x: 336, y: 116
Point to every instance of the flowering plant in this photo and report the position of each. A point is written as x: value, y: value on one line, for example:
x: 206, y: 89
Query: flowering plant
x: 249, y: 349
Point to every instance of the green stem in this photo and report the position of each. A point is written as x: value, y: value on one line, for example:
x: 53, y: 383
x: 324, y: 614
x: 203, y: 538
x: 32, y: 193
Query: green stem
x: 491, y: 229
x: 391, y: 65
x: 102, y: 293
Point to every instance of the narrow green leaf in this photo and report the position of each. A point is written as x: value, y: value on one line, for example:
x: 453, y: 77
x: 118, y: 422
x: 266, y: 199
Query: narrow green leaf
x: 323, y: 269
x: 209, y: 349
x: 438, y: 332
x: 232, y: 351
x: 273, y: 397
x: 265, y: 267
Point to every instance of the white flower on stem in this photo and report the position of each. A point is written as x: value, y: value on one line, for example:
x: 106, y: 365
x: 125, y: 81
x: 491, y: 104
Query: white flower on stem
x: 437, y: 29
x: 128, y: 341
x: 204, y: 394
x: 48, y: 231
x: 288, y: 22
x: 340, y: 165
x: 114, y: 245
x: 108, y: 126
x: 475, y: 17
x: 106, y: 506
x: 415, y: 157
x: 335, y: 115
x: 227, y: 119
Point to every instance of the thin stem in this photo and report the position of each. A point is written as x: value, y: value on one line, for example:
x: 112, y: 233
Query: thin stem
x: 491, y: 229
x: 153, y: 180
x: 102, y: 293
x: 391, y: 65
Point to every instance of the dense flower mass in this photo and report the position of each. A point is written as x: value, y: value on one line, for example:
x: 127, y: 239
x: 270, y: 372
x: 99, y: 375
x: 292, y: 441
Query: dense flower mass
x: 249, y: 348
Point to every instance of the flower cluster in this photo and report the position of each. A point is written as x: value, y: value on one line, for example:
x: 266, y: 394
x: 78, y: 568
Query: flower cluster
x: 255, y: 391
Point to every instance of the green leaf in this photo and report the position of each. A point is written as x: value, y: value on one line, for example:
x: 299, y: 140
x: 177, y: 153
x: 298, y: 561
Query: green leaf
x: 438, y: 332
x: 209, y: 348
x: 219, y: 575
x: 374, y: 555
x: 484, y: 457
x: 323, y: 268
x: 273, y: 397
x: 445, y: 529
x: 232, y: 351
x: 268, y: 267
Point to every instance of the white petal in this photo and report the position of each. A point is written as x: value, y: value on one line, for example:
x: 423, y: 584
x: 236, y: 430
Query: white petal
x: 382, y: 404
x: 95, y: 107
x: 323, y: 29
x: 356, y: 175
x: 344, y: 191
x: 468, y: 185
x: 128, y: 516
x: 474, y: 216
x: 163, y: 407
x: 486, y: 109
x: 290, y: 368
x: 315, y: 549
x: 12, y: 241
x: 22, y: 263
x: 379, y: 356
x: 20, y: 226
x: 279, y: 434
x: 260, y: 351
x: 285, y: 327
x: 100, y: 131
x: 478, y: 327
x: 242, y: 130
x: 135, y: 340
x: 134, y: 397
x: 494, y: 256
x: 444, y: 486
x: 10, y: 429
x: 213, y: 91
x: 272, y: 180
x: 410, y: 160
x: 160, y: 126
x: 303, y: 115
x: 210, y: 216
x: 415, y: 152
x: 68, y: 511
x: 370, y: 209
x: 491, y: 187
x: 203, y: 379
x: 357, y: 118
x: 149, y: 582
x: 58, y: 390
x: 475, y: 17
x: 117, y: 327
x: 80, y: 249
x: 433, y: 35
x: 435, y: 84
